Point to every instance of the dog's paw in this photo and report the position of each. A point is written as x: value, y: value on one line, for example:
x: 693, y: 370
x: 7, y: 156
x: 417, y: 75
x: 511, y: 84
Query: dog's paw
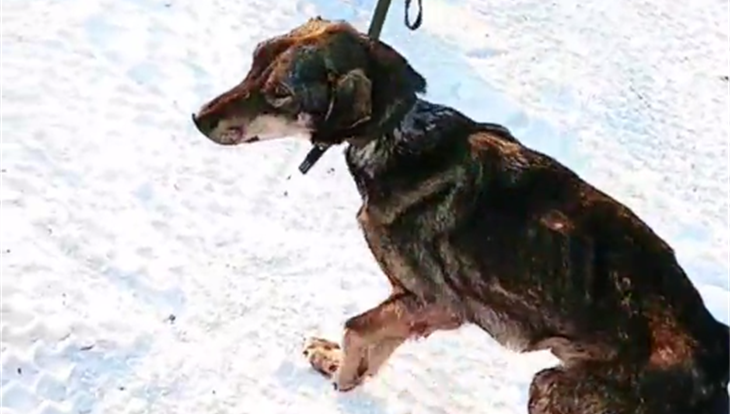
x: 323, y: 355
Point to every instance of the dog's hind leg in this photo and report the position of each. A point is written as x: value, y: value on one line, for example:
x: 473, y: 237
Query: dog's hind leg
x: 582, y: 389
x: 606, y: 388
x: 371, y: 338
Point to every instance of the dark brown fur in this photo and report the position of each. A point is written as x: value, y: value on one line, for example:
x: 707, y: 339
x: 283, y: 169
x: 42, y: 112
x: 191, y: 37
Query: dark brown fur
x: 471, y: 226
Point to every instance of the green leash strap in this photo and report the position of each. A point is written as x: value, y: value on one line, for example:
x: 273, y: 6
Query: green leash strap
x: 376, y: 23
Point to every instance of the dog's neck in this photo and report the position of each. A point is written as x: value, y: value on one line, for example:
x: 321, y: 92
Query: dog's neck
x: 419, y: 144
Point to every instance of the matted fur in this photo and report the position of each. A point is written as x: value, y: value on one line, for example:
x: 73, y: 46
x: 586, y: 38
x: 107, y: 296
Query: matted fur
x: 471, y: 226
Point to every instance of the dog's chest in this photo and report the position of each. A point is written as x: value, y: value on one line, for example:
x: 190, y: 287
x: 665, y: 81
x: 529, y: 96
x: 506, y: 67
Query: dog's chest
x: 392, y: 255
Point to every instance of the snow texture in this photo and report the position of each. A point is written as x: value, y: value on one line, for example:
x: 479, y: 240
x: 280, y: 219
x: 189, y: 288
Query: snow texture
x: 146, y: 270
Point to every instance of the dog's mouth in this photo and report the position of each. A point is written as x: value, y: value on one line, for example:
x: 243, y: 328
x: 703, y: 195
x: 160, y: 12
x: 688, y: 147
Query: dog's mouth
x: 237, y: 135
x: 226, y: 131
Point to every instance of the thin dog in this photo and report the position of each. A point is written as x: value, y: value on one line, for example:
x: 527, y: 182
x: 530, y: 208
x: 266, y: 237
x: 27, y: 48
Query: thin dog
x: 471, y: 226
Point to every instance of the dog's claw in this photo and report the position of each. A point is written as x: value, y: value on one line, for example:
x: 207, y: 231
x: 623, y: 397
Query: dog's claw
x: 347, y: 387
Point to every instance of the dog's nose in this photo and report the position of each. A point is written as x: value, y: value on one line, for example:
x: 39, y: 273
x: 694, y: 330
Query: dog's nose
x: 205, y: 124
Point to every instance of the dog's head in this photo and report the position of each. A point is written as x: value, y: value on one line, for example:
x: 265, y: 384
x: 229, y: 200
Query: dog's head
x: 323, y: 80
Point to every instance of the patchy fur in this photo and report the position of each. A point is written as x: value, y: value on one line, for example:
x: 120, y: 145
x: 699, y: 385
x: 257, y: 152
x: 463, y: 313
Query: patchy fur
x: 471, y: 226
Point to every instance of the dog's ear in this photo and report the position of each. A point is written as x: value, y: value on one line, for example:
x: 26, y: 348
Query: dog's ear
x: 397, y: 71
x: 395, y: 83
x: 350, y: 103
x: 372, y: 87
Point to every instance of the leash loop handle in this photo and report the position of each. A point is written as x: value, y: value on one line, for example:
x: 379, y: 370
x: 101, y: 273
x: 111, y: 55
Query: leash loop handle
x: 419, y: 17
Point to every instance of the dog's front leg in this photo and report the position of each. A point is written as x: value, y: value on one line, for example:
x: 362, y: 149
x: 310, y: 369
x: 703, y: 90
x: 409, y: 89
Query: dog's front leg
x: 371, y: 337
x: 378, y: 331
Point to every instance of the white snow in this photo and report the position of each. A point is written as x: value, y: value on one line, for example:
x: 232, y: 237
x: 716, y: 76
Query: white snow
x: 146, y: 270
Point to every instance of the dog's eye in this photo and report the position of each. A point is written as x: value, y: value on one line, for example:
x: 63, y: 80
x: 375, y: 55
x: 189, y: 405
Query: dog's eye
x: 280, y: 91
x: 281, y: 97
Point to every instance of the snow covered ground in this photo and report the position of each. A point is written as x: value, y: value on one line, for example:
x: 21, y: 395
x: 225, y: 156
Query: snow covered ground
x: 145, y: 270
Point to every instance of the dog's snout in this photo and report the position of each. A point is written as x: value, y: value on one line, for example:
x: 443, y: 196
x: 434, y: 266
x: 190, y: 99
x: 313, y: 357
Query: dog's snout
x: 205, y: 124
x: 213, y: 124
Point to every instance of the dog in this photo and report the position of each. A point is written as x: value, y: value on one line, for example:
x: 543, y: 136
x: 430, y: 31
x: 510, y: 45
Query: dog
x: 470, y: 226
